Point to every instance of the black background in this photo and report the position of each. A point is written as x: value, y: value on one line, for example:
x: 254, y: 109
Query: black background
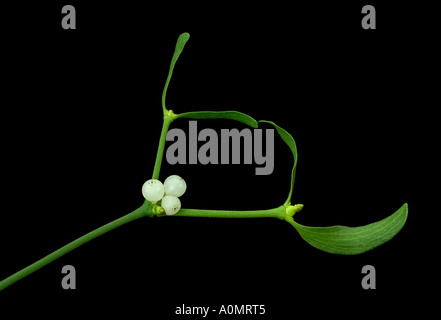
x: 83, y: 116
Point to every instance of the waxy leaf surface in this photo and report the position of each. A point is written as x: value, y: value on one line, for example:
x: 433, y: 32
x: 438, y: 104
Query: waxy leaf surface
x: 356, y: 240
x: 232, y: 115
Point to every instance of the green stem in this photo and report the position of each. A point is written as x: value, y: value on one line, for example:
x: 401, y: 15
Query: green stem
x: 165, y: 125
x: 278, y: 212
x: 143, y: 211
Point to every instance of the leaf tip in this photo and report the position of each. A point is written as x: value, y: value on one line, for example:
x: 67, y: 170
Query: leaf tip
x: 185, y: 36
x: 182, y: 40
x: 406, y: 209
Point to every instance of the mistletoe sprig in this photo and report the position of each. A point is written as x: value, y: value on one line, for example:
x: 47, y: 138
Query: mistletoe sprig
x: 334, y: 239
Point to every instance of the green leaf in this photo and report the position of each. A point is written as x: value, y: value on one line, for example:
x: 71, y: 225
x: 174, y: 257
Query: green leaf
x: 289, y: 140
x: 349, y: 241
x: 232, y: 115
x: 182, y: 40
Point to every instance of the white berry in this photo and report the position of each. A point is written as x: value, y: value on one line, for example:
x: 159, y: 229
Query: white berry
x: 153, y: 190
x: 175, y: 186
x: 171, y: 205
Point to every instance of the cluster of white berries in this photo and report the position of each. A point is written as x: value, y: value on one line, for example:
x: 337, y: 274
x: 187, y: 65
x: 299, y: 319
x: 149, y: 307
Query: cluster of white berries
x: 168, y: 193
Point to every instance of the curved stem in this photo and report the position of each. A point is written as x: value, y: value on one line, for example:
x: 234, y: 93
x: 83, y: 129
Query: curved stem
x: 143, y: 211
x: 278, y: 212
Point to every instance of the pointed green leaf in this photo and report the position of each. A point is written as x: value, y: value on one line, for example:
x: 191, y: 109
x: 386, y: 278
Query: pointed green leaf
x: 182, y: 40
x: 289, y: 140
x: 232, y: 115
x: 349, y: 241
